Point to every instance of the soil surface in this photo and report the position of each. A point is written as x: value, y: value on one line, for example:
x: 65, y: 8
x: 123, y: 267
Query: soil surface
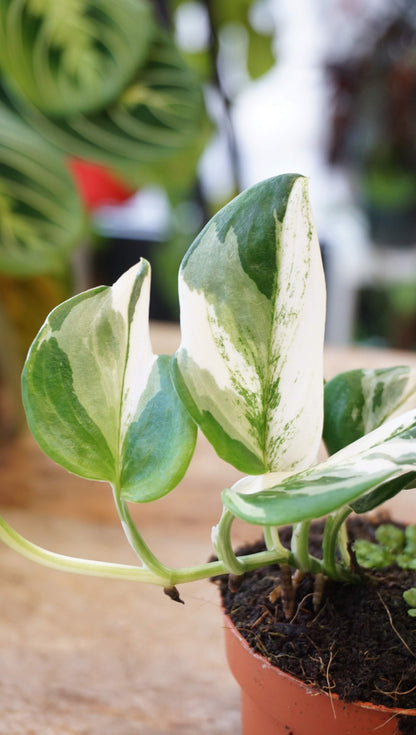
x: 361, y: 644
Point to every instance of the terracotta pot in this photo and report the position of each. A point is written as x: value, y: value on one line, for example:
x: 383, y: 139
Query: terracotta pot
x: 276, y: 703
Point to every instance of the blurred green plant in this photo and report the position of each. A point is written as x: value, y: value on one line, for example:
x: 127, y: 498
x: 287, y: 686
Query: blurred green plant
x: 107, y: 83
x: 91, y: 80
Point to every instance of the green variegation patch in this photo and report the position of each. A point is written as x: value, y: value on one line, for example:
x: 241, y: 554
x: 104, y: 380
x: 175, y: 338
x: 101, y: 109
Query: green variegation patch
x: 99, y: 401
x: 388, y: 453
x: 358, y: 401
x: 252, y: 301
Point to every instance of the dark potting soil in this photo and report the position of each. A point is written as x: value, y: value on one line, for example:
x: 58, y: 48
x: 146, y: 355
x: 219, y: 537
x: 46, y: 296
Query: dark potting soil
x: 361, y: 644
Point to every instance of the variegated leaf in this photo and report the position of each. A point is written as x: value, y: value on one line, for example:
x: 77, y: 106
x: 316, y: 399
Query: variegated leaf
x: 99, y: 401
x: 371, y: 463
x: 358, y: 401
x: 252, y: 297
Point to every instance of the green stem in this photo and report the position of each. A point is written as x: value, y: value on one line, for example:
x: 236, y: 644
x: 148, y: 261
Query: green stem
x: 221, y: 536
x: 333, y: 524
x: 70, y: 563
x: 300, y: 546
x: 343, y: 543
x: 148, y: 559
x: 93, y: 568
x: 272, y: 541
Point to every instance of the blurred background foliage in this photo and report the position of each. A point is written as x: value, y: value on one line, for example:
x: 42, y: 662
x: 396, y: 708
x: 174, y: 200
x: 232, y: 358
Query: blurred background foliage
x: 99, y: 100
x: 108, y: 108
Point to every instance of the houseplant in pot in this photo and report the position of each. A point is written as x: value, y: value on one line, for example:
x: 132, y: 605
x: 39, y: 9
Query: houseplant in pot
x: 249, y: 373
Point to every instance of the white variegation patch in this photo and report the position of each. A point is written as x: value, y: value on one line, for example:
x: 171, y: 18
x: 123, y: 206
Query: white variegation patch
x: 208, y: 345
x: 294, y: 429
x: 251, y: 364
x: 139, y: 354
x: 390, y: 403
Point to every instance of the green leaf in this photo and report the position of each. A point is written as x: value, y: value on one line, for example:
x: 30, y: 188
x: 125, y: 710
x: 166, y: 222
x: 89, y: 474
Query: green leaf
x: 252, y: 299
x: 157, y: 116
x: 410, y: 597
x: 41, y: 216
x: 387, y: 453
x: 72, y: 56
x: 383, y: 492
x: 260, y: 56
x: 358, y: 401
x: 391, y: 537
x: 97, y: 399
x: 372, y: 556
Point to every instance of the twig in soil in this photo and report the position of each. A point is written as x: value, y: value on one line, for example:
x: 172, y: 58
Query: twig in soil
x: 300, y: 606
x: 394, y: 628
x: 260, y: 618
x: 383, y: 724
x: 328, y: 681
x: 395, y: 692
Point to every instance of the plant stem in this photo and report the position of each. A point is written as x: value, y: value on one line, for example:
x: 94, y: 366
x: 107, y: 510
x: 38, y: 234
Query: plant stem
x: 70, y: 563
x: 300, y: 546
x: 272, y: 541
x: 221, y: 537
x: 93, y: 568
x: 148, y: 559
x: 333, y: 524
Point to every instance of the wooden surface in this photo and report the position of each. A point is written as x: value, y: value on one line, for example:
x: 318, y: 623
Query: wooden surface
x: 100, y: 657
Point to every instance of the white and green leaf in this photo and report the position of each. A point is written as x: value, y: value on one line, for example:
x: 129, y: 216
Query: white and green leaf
x: 252, y: 296
x: 373, y: 468
x: 358, y: 401
x: 97, y: 399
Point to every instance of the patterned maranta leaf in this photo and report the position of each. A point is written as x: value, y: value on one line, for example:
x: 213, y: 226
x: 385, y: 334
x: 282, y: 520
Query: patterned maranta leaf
x: 72, y: 56
x: 156, y: 116
x: 41, y: 215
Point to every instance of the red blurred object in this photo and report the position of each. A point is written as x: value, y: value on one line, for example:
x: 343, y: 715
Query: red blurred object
x: 98, y: 185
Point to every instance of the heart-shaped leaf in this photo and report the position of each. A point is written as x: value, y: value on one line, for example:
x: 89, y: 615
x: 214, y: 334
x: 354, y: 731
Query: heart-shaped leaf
x: 99, y: 402
x: 252, y: 298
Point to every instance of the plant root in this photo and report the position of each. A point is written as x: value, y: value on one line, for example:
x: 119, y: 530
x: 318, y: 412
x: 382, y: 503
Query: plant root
x: 318, y: 591
x: 173, y: 593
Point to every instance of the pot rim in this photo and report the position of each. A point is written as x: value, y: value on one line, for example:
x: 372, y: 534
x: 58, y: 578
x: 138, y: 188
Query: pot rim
x: 307, y: 688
